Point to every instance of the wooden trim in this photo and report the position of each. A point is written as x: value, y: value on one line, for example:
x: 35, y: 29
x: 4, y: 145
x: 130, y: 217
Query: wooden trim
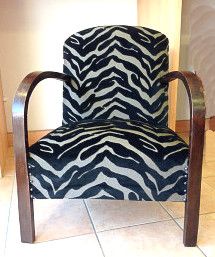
x: 195, y: 92
x: 184, y: 125
x: 33, y: 136
x: 212, y: 123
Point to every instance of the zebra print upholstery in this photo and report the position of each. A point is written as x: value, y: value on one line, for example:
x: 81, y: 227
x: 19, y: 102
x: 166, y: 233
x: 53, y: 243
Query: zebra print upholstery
x: 109, y: 159
x: 114, y: 142
x: 116, y: 72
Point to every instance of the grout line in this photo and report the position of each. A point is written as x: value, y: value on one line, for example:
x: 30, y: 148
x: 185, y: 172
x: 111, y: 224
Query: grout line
x: 94, y: 229
x: 9, y: 213
x: 174, y: 219
x: 182, y: 237
x: 134, y: 225
x: 206, y: 213
x: 201, y: 250
x: 169, y: 212
x: 182, y: 217
x: 129, y: 226
x: 60, y: 238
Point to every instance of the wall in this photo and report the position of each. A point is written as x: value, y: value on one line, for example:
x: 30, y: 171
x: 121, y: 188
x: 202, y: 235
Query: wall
x: 198, y: 50
x: 31, y: 38
x: 3, y: 133
x: 165, y: 16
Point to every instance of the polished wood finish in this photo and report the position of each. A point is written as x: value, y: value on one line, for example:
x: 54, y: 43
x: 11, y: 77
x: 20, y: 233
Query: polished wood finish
x: 195, y: 93
x: 20, y: 109
x: 3, y: 134
x: 197, y: 124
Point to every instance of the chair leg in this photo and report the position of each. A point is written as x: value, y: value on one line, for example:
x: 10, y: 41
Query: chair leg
x: 26, y: 216
x: 191, y: 218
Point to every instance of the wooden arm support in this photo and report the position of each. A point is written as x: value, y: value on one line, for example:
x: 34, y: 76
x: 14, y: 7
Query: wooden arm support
x: 20, y: 109
x: 195, y: 93
x: 24, y: 91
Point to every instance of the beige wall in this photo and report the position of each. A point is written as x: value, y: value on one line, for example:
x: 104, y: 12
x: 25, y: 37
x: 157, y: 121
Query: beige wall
x: 3, y: 133
x: 165, y: 16
x: 31, y: 38
x: 198, y: 50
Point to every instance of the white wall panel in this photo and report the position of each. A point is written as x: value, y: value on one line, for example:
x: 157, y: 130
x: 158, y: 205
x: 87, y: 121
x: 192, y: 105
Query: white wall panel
x: 31, y: 38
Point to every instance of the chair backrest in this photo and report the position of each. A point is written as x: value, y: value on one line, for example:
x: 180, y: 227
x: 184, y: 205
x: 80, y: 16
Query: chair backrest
x: 115, y: 75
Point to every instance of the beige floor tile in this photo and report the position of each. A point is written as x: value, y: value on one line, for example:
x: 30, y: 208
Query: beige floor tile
x: 210, y: 181
x: 176, y: 210
x: 54, y: 219
x: 80, y: 246
x: 110, y: 214
x: 206, y: 235
x: 208, y: 169
x: 10, y: 167
x: 207, y: 199
x: 61, y: 218
x: 209, y: 155
x: 6, y: 185
x: 161, y: 239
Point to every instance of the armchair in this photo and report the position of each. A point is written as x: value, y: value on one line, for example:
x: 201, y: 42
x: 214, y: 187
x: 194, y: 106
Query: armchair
x: 114, y: 142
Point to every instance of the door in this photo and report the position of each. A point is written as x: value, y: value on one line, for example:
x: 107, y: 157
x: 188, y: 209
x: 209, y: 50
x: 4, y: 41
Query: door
x: 3, y: 133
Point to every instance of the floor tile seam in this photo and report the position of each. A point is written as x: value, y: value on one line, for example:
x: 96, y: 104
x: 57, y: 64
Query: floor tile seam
x: 63, y: 238
x: 134, y: 225
x: 182, y: 236
x: 201, y: 250
x: 213, y: 188
x: 207, y: 213
x: 169, y: 212
x: 207, y: 176
x: 197, y: 246
x: 202, y: 214
x: 182, y: 217
x: 9, y: 213
x: 94, y: 229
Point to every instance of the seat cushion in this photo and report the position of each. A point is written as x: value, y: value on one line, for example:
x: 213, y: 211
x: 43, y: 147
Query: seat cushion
x: 115, y: 159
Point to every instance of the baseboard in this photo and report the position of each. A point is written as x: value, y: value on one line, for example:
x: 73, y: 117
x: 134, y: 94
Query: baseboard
x: 33, y: 136
x: 182, y: 126
x: 212, y: 123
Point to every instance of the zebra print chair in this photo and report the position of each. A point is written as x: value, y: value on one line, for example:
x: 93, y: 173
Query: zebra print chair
x: 114, y: 142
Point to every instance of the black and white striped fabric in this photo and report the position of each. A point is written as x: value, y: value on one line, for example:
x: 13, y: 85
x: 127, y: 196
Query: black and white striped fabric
x: 114, y: 142
x: 116, y: 72
x: 109, y: 159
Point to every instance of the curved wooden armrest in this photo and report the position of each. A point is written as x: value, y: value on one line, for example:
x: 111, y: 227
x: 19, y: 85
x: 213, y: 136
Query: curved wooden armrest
x: 21, y: 100
x: 195, y: 92
x: 20, y: 108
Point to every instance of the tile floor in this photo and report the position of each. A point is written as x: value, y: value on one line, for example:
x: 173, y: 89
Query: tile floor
x: 108, y: 228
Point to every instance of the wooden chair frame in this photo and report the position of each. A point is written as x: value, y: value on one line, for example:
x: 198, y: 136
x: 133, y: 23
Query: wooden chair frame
x: 195, y: 93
